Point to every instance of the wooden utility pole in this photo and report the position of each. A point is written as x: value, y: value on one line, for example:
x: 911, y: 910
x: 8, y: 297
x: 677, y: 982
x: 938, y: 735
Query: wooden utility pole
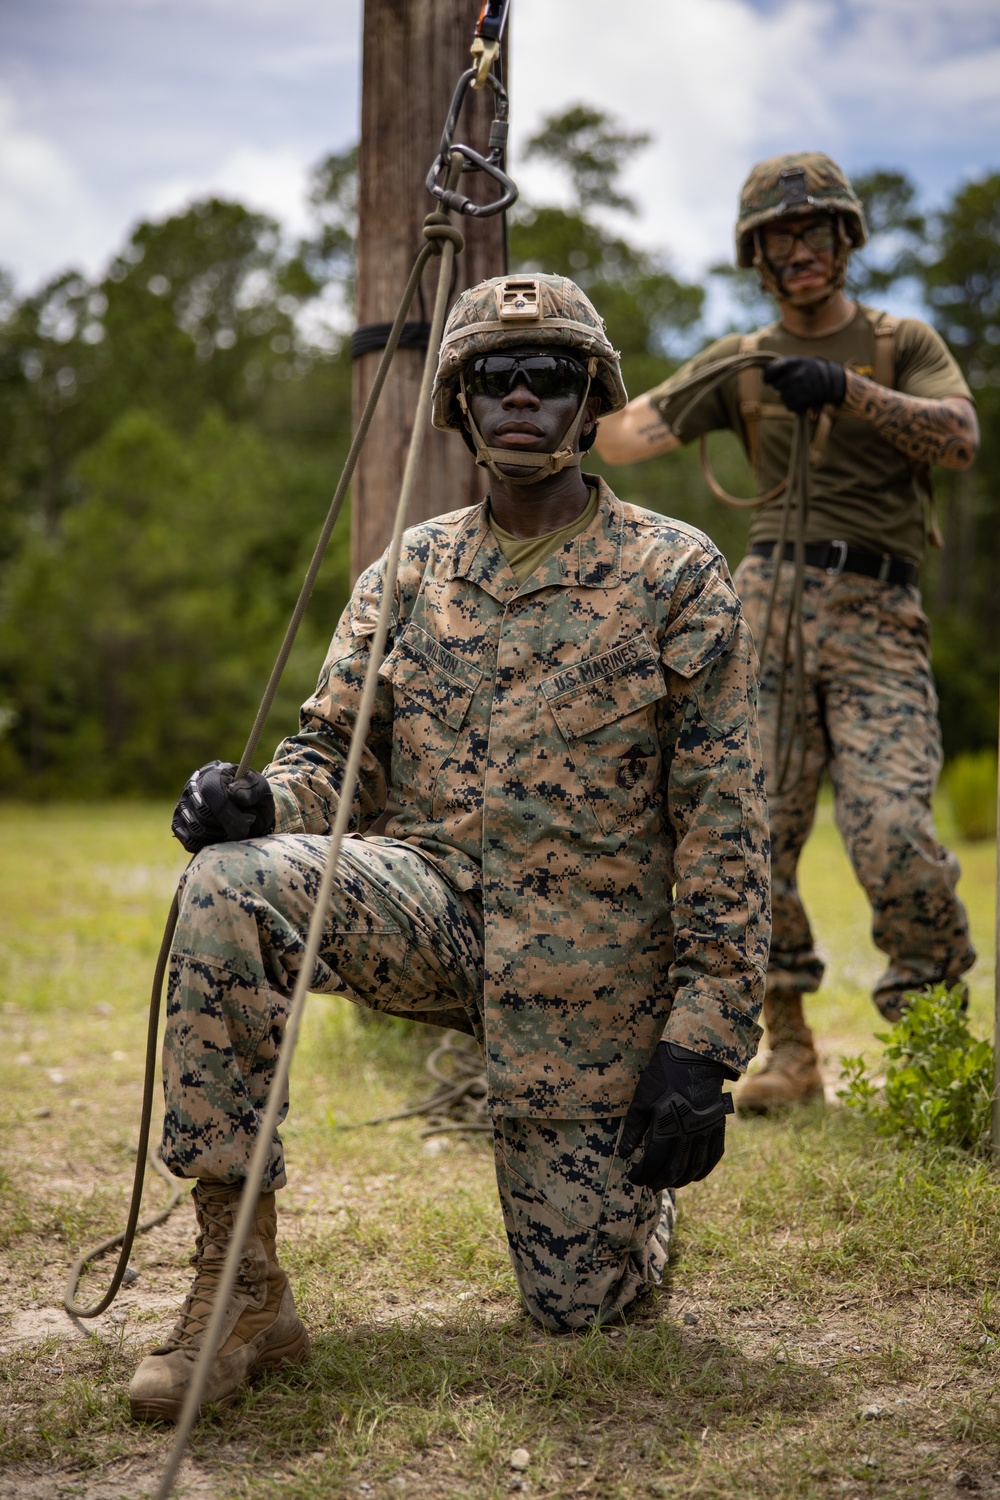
x: 412, y: 58
x: 995, y: 1117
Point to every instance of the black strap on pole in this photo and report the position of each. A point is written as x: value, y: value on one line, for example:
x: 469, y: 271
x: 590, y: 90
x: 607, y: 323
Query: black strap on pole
x: 371, y: 337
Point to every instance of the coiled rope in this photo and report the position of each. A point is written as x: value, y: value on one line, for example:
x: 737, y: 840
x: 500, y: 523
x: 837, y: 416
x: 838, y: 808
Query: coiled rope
x: 790, y: 718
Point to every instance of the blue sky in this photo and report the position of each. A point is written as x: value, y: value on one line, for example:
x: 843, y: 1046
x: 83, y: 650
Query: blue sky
x: 115, y: 109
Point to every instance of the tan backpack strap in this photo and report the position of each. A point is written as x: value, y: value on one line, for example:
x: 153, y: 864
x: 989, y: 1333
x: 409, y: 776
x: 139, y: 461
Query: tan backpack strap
x: 884, y: 358
x: 748, y: 387
x: 884, y: 373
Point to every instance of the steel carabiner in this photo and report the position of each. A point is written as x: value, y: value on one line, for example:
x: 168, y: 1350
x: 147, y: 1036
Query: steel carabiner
x: 490, y: 164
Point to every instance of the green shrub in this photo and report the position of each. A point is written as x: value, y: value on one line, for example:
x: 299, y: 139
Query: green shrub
x: 970, y: 781
x: 938, y: 1078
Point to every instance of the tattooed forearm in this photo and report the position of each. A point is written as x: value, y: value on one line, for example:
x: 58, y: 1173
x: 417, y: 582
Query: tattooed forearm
x: 928, y: 431
x: 635, y: 433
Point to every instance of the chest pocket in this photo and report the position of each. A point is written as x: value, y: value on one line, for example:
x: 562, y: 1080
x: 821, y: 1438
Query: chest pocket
x: 605, y: 709
x: 432, y: 689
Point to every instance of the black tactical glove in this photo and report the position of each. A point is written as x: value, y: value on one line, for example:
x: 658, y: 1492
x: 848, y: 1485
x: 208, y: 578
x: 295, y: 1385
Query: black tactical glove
x: 678, y: 1113
x: 807, y: 384
x: 213, y: 808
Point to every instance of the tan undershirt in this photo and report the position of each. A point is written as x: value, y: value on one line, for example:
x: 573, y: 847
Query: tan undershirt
x: 525, y: 555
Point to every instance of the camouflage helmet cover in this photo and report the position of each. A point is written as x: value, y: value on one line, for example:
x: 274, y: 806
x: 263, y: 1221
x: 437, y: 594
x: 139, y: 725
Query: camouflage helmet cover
x: 536, y: 310
x: 794, y: 184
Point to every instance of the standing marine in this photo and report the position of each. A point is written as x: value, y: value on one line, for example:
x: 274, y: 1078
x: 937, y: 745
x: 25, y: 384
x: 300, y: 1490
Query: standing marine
x: 888, y: 401
x: 575, y: 869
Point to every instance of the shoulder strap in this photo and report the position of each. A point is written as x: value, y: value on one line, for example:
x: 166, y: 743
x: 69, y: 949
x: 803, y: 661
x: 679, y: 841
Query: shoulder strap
x: 884, y: 358
x: 884, y: 327
x: 749, y: 385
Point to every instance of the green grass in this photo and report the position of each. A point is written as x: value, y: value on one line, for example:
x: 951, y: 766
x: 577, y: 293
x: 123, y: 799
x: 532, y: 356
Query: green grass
x: 821, y: 1271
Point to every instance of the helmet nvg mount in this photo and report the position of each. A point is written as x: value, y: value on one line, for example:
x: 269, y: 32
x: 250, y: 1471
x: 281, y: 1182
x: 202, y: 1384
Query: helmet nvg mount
x: 536, y: 311
x: 800, y: 182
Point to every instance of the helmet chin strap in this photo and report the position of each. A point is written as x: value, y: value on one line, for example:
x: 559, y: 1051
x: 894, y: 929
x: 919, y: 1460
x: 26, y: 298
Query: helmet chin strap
x: 534, y: 466
x: 771, y: 281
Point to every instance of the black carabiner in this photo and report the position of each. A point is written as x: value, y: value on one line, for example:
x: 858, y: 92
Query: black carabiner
x: 491, y: 164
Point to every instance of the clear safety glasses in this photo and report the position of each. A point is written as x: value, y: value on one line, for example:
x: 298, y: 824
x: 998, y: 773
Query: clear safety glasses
x: 545, y: 374
x: 779, y: 244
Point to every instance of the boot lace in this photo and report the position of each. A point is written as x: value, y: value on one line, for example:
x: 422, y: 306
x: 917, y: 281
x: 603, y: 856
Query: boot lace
x: 210, y: 1248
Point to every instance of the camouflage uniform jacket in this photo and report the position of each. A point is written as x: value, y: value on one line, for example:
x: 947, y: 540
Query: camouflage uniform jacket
x: 584, y: 750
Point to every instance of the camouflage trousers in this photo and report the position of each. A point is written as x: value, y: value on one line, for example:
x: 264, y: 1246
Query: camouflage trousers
x: 871, y: 723
x: 584, y: 1242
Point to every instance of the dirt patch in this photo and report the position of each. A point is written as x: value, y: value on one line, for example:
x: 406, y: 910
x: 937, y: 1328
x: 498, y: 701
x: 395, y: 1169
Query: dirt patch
x: 132, y: 1480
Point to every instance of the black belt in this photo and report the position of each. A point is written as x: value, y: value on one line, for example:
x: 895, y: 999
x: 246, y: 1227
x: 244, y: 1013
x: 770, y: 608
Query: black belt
x: 841, y: 557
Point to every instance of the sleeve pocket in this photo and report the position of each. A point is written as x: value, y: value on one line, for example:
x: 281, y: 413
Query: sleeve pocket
x: 702, y: 630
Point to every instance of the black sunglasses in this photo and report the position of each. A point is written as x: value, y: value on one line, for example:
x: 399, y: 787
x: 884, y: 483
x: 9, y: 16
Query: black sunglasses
x: 545, y: 374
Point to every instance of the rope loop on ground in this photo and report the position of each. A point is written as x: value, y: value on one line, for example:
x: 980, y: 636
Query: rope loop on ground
x: 459, y: 1103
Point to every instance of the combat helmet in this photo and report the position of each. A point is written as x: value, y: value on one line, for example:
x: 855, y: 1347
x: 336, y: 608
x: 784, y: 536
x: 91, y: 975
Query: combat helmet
x: 539, y: 311
x: 793, y: 184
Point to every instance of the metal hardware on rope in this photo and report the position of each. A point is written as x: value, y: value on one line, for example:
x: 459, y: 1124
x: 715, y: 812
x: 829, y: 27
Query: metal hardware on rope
x: 485, y: 47
x: 371, y: 337
x: 446, y: 238
x: 474, y: 160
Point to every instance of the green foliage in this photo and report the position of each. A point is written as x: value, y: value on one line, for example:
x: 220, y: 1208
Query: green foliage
x: 593, y: 149
x: 896, y: 230
x: 169, y: 434
x: 966, y: 668
x: 643, y: 303
x: 168, y: 441
x: 938, y: 1080
x: 135, y: 640
x: 970, y: 781
x: 962, y: 277
x: 328, y: 255
x: 961, y: 282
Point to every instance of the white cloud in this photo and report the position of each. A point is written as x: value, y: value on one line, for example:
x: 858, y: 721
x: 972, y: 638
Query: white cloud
x: 722, y: 83
x: 272, y: 181
x: 49, y: 220
x: 118, y: 108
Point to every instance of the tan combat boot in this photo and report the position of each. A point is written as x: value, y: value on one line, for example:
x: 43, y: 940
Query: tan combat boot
x: 790, y: 1074
x: 261, y: 1328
